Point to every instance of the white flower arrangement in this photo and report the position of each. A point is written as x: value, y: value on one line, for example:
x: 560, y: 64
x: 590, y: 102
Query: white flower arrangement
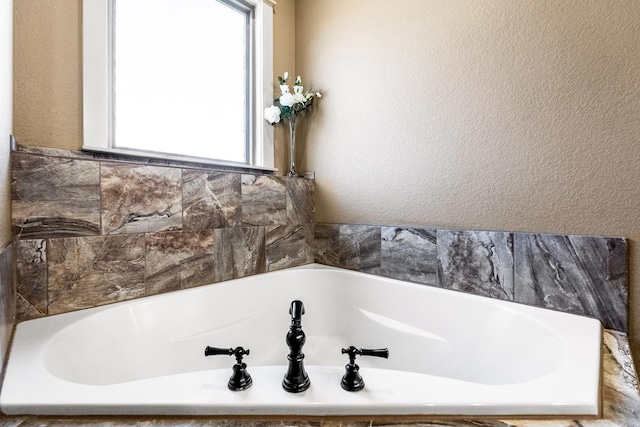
x: 290, y: 105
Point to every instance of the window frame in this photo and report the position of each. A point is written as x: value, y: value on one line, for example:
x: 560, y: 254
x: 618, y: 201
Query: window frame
x: 98, y: 94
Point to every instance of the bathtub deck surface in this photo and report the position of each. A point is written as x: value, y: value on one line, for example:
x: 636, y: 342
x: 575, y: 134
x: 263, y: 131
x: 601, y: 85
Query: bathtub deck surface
x: 621, y: 407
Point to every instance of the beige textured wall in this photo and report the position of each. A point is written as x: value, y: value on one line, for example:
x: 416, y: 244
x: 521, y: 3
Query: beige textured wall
x: 284, y: 46
x: 492, y: 114
x: 47, y: 73
x: 6, y: 117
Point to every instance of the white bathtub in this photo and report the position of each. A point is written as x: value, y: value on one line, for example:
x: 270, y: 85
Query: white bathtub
x: 450, y: 353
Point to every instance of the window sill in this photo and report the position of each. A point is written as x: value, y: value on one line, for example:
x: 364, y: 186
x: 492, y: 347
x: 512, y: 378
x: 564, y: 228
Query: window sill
x: 125, y: 156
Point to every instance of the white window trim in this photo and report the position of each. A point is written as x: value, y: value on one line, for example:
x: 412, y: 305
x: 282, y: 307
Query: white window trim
x: 97, y: 92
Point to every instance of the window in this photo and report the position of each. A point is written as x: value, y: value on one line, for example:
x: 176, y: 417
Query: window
x: 181, y: 79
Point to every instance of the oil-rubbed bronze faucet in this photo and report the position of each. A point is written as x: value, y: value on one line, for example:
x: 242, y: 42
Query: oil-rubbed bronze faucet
x: 296, y: 379
x: 352, y: 380
x: 240, y: 379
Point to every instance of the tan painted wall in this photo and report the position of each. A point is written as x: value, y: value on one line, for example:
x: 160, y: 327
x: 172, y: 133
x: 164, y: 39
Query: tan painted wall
x: 493, y: 114
x: 284, y: 46
x: 6, y: 117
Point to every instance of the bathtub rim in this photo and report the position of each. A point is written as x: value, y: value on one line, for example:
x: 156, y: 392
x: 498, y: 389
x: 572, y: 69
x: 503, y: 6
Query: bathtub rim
x: 69, y: 318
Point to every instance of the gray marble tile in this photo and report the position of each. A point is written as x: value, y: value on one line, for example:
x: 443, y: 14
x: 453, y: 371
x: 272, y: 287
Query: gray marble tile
x: 264, y: 200
x: 210, y: 200
x: 354, y: 247
x: 327, y: 238
x: 477, y: 262
x: 576, y: 274
x: 289, y: 246
x: 240, y: 252
x: 140, y: 199
x: 54, y: 197
x: 409, y: 254
x: 31, y: 273
x: 360, y: 246
x: 86, y: 272
x: 178, y: 260
x: 300, y: 200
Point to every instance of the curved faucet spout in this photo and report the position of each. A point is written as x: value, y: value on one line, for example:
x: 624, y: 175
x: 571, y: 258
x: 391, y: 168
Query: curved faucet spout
x: 296, y: 311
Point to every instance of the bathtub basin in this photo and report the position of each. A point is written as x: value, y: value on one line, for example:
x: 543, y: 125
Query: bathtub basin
x: 450, y: 353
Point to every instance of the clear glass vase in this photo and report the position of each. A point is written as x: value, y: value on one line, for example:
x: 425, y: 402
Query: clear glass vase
x: 292, y: 146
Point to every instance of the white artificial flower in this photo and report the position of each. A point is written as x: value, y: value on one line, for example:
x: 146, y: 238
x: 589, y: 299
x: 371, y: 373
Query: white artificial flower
x: 272, y: 114
x: 298, y: 81
x: 286, y: 75
x: 287, y: 100
x: 318, y: 94
x: 284, y: 89
x: 299, y: 98
x: 297, y: 89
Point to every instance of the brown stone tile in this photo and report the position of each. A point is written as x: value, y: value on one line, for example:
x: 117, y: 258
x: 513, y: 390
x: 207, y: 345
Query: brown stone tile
x: 25, y: 310
x: 210, y: 200
x: 54, y: 197
x: 300, y: 200
x: 140, y: 199
x: 240, y: 252
x: 178, y: 260
x: 264, y: 200
x: 7, y: 301
x: 289, y: 246
x: 31, y: 273
x: 91, y: 271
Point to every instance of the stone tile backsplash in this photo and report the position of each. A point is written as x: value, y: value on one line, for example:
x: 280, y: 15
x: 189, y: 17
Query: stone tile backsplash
x: 89, y: 232
x: 584, y: 275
